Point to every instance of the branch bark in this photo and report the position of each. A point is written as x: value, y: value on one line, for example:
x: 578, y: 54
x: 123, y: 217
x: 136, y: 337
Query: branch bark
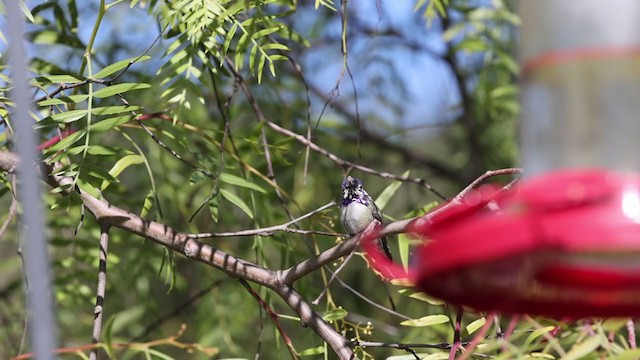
x: 101, y: 290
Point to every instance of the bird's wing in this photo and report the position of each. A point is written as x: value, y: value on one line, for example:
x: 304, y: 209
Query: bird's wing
x: 375, y: 211
x: 377, y: 214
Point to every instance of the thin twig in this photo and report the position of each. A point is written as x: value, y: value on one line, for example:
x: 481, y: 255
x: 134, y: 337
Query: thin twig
x: 13, y: 209
x: 348, y: 164
x: 456, y: 335
x: 271, y: 229
x: 179, y: 309
x: 100, y: 290
x: 333, y: 276
x: 410, y: 157
x: 401, y: 346
x: 173, y: 153
x: 371, y: 302
x: 485, y: 176
x: 274, y: 317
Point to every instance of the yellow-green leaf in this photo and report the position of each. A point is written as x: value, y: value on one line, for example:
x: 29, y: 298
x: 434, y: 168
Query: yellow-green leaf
x: 426, y: 298
x: 312, y: 351
x: 388, y: 192
x: 584, y: 348
x: 429, y: 320
x: 120, y: 166
x: 471, y: 328
x: 335, y: 314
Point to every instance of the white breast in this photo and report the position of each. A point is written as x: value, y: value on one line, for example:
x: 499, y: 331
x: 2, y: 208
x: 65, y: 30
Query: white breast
x: 356, y: 217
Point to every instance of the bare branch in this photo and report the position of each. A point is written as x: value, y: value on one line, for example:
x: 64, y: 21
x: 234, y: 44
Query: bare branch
x: 100, y: 290
x: 401, y: 346
x: 274, y: 318
x: 266, y: 231
x: 310, y: 318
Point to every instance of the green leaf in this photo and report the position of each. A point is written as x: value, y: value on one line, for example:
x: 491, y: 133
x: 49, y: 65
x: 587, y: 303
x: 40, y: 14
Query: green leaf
x: 96, y: 172
x: 614, y: 324
x: 335, y: 314
x: 101, y: 150
x: 88, y: 188
x: 238, y: 181
x: 110, y: 110
x: 120, y: 166
x: 632, y: 354
x: 159, y: 354
x: 46, y: 79
x: 504, y: 90
x: 129, y: 317
x: 312, y: 351
x: 584, y: 348
x: 117, y: 66
x: 110, y: 123
x: 214, y: 207
x: 403, y: 249
x: 265, y: 32
x: 237, y: 201
x: 426, y: 298
x: 68, y: 141
x: 73, y: 99
x: 148, y: 203
x: 108, y: 336
x: 472, y: 45
x: 477, y: 324
x: 68, y: 116
x: 535, y: 334
x: 388, y: 192
x: 98, y: 150
x: 124, y: 163
x: 429, y: 320
x: 197, y: 177
x: 119, y: 89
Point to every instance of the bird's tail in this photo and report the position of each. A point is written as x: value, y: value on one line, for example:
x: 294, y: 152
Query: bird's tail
x: 383, y: 244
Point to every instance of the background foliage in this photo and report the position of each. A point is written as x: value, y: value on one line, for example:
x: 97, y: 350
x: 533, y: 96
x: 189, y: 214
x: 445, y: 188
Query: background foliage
x: 202, y: 158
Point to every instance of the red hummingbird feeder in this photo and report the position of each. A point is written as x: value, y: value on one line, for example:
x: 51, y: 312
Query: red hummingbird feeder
x: 565, y: 241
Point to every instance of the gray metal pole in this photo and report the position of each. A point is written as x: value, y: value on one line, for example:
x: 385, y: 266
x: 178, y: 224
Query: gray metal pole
x: 42, y: 327
x: 581, y: 85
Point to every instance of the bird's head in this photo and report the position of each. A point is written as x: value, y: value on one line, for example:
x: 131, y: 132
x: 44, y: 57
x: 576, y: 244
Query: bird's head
x: 351, y: 183
x: 352, y: 189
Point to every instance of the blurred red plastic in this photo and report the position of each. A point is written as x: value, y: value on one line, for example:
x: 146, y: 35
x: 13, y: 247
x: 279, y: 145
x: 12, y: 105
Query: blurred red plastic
x: 563, y: 244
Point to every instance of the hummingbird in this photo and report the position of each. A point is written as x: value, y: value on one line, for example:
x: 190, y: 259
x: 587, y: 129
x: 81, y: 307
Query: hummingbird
x: 358, y: 210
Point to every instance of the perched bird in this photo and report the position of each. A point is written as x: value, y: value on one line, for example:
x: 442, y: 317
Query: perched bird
x: 358, y: 210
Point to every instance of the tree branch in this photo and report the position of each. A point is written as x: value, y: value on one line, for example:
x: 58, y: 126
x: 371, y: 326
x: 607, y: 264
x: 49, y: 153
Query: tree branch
x: 310, y: 318
x: 100, y: 290
x: 266, y: 231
